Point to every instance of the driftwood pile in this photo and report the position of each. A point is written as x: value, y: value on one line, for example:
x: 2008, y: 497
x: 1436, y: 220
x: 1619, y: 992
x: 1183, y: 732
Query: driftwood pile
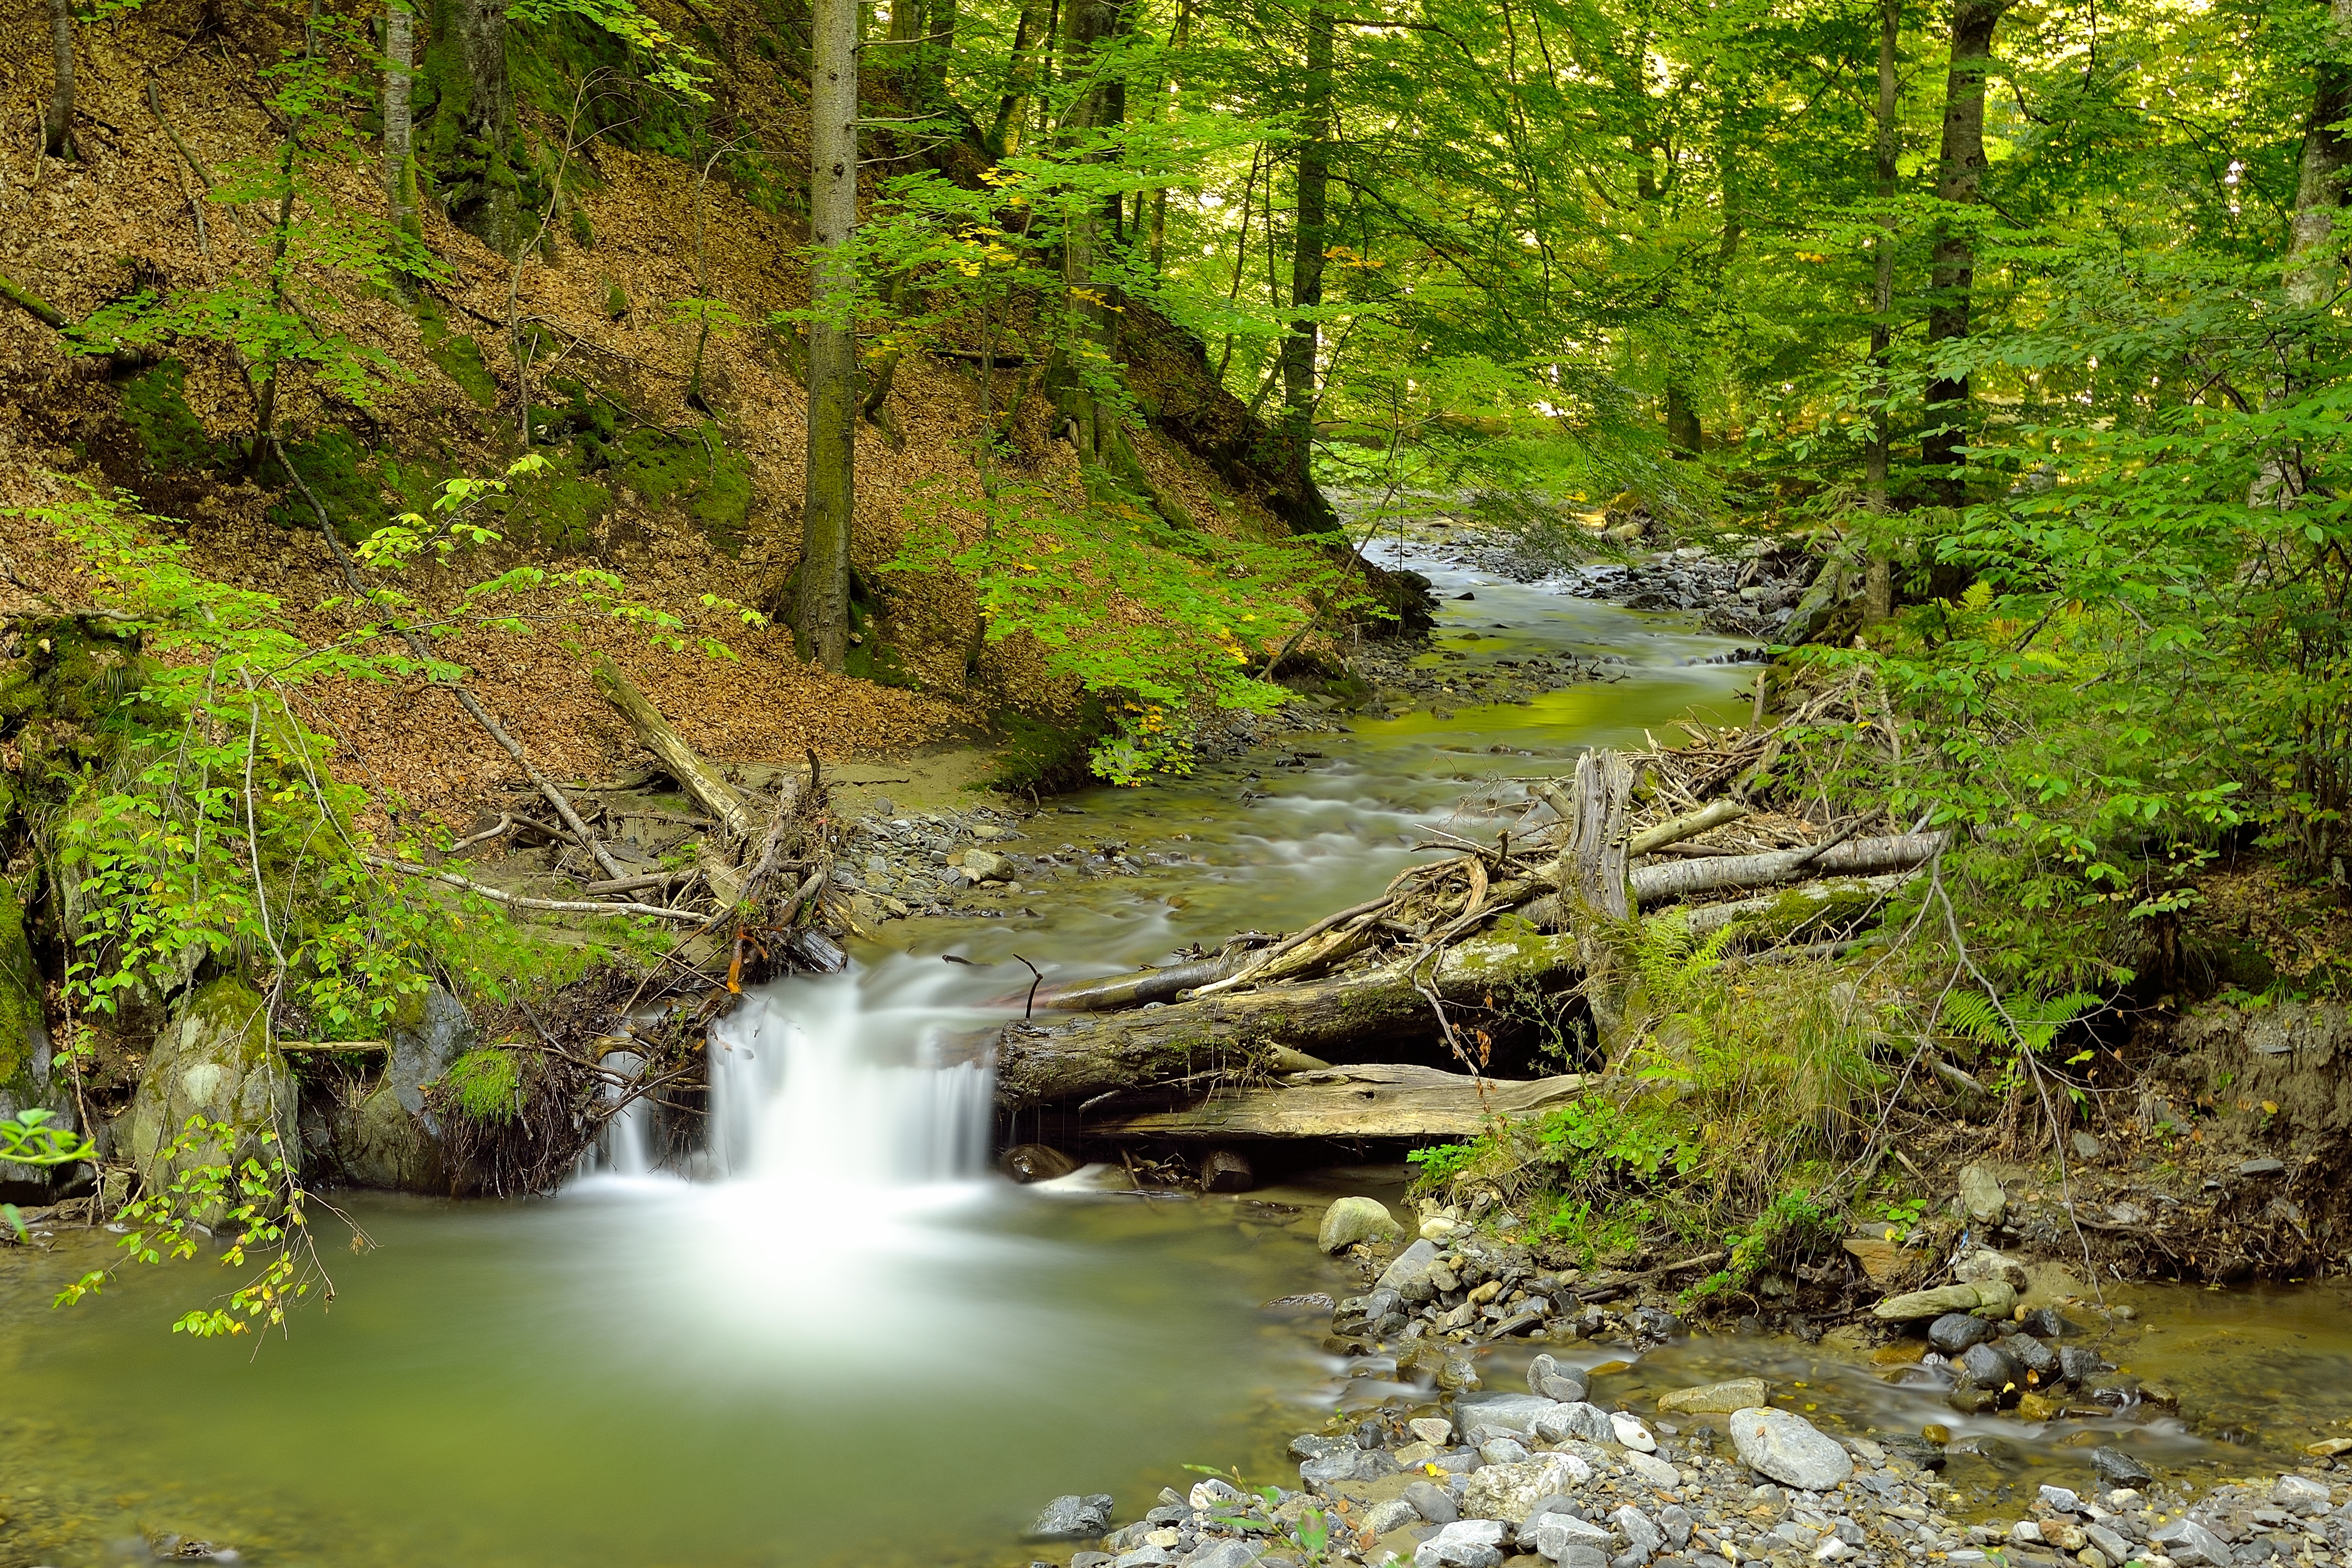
x: 1238, y: 1044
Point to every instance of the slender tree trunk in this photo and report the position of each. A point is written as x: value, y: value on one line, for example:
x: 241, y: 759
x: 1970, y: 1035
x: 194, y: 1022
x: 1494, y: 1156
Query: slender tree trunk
x: 57, y: 125
x: 933, y: 54
x: 487, y: 206
x: 1088, y: 25
x: 1682, y: 433
x: 1029, y: 42
x: 1878, y: 593
x: 399, y: 68
x: 1299, y: 350
x: 821, y: 607
x: 1958, y: 179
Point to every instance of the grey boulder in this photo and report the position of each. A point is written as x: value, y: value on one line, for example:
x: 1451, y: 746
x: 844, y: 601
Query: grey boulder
x: 1787, y: 1449
x: 1641, y: 1535
x: 1465, y: 1543
x: 1074, y: 1518
x: 214, y: 1061
x: 1957, y: 1331
x: 1411, y: 1266
x: 2186, y: 1540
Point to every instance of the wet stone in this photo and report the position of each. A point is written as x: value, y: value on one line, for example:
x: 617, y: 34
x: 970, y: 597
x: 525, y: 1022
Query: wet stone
x: 1957, y: 1331
x: 1788, y: 1449
x: 1073, y: 1518
x: 2118, y: 1468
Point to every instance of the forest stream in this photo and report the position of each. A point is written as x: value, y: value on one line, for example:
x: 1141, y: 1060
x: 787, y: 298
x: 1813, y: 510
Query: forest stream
x: 844, y: 1339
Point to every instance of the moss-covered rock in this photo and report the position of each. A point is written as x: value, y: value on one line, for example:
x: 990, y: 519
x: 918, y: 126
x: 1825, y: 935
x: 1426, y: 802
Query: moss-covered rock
x: 25, y: 1077
x: 391, y: 1139
x: 171, y: 437
x: 213, y: 1060
x: 334, y: 465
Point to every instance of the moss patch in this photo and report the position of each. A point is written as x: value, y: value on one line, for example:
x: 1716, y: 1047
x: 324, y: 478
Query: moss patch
x: 459, y: 356
x: 155, y: 407
x: 334, y: 464
x: 486, y: 1084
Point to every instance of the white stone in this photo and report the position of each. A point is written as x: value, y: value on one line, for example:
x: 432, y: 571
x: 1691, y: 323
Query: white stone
x: 2061, y: 1499
x: 1431, y: 1429
x: 1629, y: 1430
x: 1652, y: 1469
x: 1508, y: 1491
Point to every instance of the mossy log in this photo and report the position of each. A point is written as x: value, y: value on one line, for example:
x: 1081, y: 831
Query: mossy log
x: 1231, y: 1033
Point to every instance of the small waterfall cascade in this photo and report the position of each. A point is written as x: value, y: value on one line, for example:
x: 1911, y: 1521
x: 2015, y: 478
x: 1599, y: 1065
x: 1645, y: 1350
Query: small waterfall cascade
x: 828, y: 1084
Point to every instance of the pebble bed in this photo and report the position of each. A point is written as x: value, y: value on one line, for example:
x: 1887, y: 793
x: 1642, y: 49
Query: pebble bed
x: 1460, y: 1477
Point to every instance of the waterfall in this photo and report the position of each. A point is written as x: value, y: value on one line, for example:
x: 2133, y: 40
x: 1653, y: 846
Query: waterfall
x: 843, y: 1084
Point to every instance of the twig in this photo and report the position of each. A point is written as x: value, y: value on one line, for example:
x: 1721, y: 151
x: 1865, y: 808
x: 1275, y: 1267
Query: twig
x: 560, y: 906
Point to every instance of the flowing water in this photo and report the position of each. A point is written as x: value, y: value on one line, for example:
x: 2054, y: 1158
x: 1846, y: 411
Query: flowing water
x: 838, y: 1338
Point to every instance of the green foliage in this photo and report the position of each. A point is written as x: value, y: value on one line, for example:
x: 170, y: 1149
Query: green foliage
x: 1153, y: 619
x: 258, y: 1203
x: 1439, y: 1162
x: 26, y: 1138
x: 486, y: 1084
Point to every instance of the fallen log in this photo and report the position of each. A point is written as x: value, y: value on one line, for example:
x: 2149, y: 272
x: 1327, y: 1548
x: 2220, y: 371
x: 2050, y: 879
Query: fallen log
x: 1793, y: 911
x: 1655, y: 885
x: 700, y: 779
x: 1139, y: 986
x: 1387, y: 1100
x: 1230, y: 1033
x: 1650, y: 840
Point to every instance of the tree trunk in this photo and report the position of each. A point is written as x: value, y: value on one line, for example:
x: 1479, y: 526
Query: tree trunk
x: 2312, y: 259
x: 1958, y: 179
x: 1232, y: 1032
x: 1655, y: 885
x: 1682, y: 433
x: 1878, y: 602
x: 1299, y: 350
x: 1031, y: 37
x: 57, y: 125
x: 399, y: 68
x: 820, y: 608
x: 489, y: 206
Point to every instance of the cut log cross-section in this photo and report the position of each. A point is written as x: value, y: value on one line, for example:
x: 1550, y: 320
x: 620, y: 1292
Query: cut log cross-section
x: 699, y: 778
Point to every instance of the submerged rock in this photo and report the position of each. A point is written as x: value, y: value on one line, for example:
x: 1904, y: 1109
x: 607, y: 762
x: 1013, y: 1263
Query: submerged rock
x: 1714, y: 1398
x: 2118, y: 1468
x: 1788, y: 1449
x: 1351, y: 1220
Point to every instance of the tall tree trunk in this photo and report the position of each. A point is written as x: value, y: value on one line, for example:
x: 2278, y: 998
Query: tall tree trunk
x: 1088, y: 25
x: 1031, y: 39
x: 1959, y: 177
x: 821, y: 602
x: 57, y: 125
x: 1878, y: 593
x: 2312, y: 257
x: 1682, y: 433
x: 933, y: 55
x: 399, y: 68
x: 1299, y: 350
x: 488, y: 203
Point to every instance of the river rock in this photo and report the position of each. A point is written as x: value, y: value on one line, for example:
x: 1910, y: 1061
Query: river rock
x: 389, y: 1139
x: 1074, y: 1518
x: 1642, y: 1536
x: 1956, y: 1331
x: 1501, y: 1412
x: 1652, y: 1469
x: 1411, y: 1267
x: 1465, y: 1543
x: 1992, y: 1368
x: 1510, y: 1492
x: 987, y: 866
x: 1432, y: 1503
x: 1589, y: 1422
x: 1980, y: 1264
x: 1714, y: 1398
x: 1787, y: 1449
x: 1992, y: 1297
x: 1227, y: 1171
x: 1982, y: 1198
x: 213, y: 1060
x: 2300, y: 1494
x: 1553, y: 1380
x: 2079, y: 1363
x: 2118, y: 1468
x: 2186, y: 1540
x: 1351, y: 1220
x: 2033, y: 1355
x: 1555, y: 1533
x: 1226, y: 1555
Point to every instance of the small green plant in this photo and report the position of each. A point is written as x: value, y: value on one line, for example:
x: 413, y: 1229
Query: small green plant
x: 1439, y: 1164
x: 486, y: 1084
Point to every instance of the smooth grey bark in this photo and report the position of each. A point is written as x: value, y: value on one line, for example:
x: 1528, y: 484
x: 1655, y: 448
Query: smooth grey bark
x: 57, y: 124
x: 399, y: 175
x: 1878, y: 593
x: 1959, y: 180
x: 820, y: 601
x: 1300, y: 348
